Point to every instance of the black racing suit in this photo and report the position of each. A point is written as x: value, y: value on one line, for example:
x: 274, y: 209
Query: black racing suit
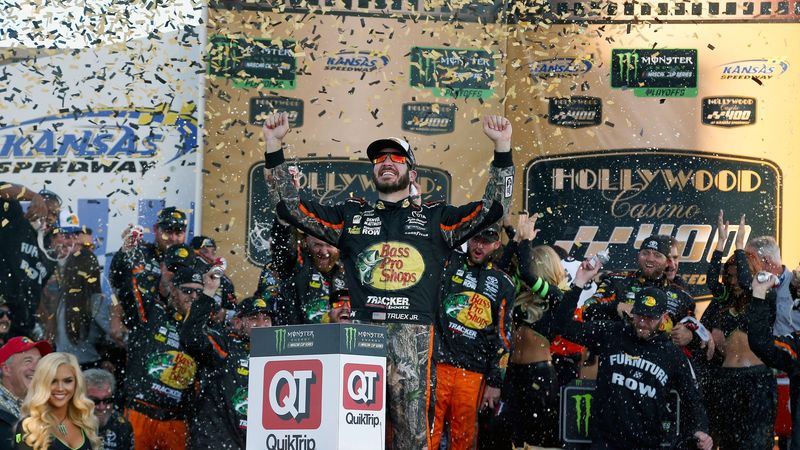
x: 159, y: 373
x: 622, y: 287
x: 474, y: 320
x: 777, y: 352
x: 23, y: 267
x: 305, y: 289
x: 394, y: 256
x: 134, y: 275
x: 219, y: 420
x: 634, y: 379
x: 117, y: 434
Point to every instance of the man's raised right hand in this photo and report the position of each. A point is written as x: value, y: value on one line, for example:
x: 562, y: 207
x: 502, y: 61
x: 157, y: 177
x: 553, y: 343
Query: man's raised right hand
x: 275, y: 127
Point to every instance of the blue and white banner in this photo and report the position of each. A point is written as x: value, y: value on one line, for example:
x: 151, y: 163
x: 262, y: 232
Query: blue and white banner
x: 112, y: 129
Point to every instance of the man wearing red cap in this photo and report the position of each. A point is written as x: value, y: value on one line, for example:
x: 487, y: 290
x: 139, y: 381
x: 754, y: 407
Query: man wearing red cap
x: 18, y: 359
x: 393, y: 253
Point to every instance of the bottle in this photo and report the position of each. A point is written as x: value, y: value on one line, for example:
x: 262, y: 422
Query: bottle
x: 601, y: 257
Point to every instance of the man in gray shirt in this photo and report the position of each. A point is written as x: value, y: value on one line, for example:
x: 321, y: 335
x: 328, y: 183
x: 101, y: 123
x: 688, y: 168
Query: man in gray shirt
x: 787, y: 319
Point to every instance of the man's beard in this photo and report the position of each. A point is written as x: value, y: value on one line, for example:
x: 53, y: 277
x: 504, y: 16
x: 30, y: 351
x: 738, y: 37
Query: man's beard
x: 400, y: 184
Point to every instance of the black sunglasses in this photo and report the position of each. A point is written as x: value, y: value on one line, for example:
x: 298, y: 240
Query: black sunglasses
x: 190, y: 291
x: 5, y: 314
x: 102, y: 401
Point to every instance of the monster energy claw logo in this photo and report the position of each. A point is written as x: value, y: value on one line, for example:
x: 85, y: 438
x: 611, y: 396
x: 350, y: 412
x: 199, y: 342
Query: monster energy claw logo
x: 582, y: 413
x: 628, y: 64
x: 280, y: 340
x: 350, y: 334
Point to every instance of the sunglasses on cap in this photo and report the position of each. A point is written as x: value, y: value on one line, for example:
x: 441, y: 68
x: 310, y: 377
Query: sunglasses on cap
x: 394, y: 157
x: 190, y: 291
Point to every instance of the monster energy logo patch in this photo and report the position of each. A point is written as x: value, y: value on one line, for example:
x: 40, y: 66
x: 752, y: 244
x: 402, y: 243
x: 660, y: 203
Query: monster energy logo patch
x: 253, y: 62
x: 280, y: 340
x: 350, y: 336
x: 583, y: 410
x: 451, y: 72
x: 655, y: 72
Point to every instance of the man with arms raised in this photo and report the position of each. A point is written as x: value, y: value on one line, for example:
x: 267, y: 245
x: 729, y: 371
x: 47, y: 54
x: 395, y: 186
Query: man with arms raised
x: 393, y: 254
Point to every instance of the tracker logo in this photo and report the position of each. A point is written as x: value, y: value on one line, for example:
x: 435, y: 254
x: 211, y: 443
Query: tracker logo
x: 363, y: 387
x: 292, y: 395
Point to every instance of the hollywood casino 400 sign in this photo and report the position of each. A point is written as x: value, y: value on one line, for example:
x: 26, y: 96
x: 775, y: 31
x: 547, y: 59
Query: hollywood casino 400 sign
x: 615, y: 199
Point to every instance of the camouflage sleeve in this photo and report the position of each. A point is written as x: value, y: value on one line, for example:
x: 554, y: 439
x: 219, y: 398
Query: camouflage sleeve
x: 462, y: 222
x: 322, y: 221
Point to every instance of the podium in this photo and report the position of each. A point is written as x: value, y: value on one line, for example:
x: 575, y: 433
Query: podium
x: 315, y: 387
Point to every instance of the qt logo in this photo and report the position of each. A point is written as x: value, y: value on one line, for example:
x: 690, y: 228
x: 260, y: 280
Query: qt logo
x: 363, y: 387
x: 292, y: 395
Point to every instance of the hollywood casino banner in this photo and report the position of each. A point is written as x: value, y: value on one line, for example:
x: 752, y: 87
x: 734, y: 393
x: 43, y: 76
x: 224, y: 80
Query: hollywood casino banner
x: 630, y: 118
x: 109, y: 126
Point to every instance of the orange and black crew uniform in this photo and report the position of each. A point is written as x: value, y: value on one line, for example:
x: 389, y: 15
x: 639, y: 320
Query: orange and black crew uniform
x: 473, y: 326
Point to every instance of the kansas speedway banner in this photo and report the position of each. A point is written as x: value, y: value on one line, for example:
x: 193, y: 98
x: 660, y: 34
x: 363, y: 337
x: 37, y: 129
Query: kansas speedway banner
x: 111, y: 127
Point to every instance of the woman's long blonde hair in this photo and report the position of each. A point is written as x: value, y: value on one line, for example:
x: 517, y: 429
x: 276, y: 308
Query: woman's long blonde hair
x: 40, y: 424
x: 545, y: 264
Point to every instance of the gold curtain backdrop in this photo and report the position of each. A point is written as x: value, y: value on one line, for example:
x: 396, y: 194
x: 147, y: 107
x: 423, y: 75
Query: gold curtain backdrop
x: 627, y: 121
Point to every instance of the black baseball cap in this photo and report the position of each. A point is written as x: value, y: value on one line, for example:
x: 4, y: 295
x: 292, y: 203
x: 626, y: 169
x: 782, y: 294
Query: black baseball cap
x: 657, y: 242
x: 171, y: 218
x: 253, y: 305
x: 186, y: 275
x: 650, y: 302
x: 339, y: 295
x: 199, y: 242
x: 398, y: 144
x: 177, y: 256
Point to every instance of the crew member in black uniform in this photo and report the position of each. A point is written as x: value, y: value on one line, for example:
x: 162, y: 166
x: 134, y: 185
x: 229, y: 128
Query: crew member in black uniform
x: 307, y: 277
x: 160, y: 374
x: 135, y: 271
x: 473, y: 327
x: 779, y: 352
x: 616, y: 293
x: 393, y: 253
x: 220, y: 414
x: 23, y: 263
x: 639, y: 366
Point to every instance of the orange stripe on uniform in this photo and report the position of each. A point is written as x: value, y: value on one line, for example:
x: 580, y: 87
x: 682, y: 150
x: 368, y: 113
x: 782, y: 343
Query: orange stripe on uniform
x: 785, y: 347
x: 502, y: 324
x: 335, y: 226
x: 222, y: 353
x: 462, y: 221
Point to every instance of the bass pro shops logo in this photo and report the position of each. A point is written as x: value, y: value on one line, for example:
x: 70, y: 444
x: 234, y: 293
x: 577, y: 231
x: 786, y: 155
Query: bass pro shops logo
x: 363, y: 387
x: 292, y: 395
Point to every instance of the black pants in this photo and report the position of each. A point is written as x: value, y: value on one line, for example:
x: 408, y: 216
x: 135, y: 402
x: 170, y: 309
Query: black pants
x: 530, y: 404
x: 749, y: 396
